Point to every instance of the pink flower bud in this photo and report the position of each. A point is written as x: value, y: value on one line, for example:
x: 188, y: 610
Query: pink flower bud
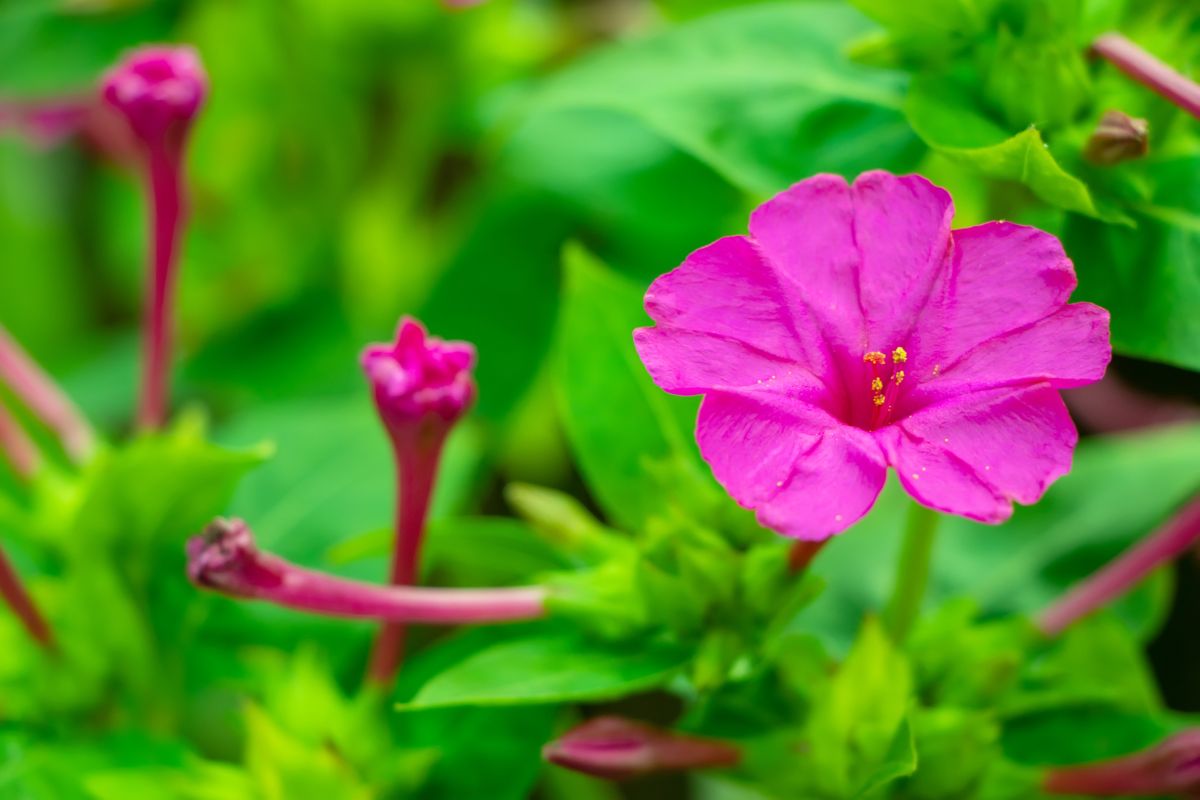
x: 1171, y: 767
x: 617, y: 749
x: 419, y: 377
x: 159, y: 90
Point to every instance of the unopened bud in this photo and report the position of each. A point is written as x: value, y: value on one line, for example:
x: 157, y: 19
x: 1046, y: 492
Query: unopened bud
x: 1118, y: 137
x: 617, y: 749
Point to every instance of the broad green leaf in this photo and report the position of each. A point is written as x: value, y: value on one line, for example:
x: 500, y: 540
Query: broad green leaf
x: 763, y: 95
x: 1148, y: 277
x: 535, y: 667
x: 946, y: 116
x: 629, y: 437
x: 160, y: 488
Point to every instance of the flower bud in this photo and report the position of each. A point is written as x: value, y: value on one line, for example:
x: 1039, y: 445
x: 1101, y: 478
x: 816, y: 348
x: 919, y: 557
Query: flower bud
x: 1118, y: 137
x: 158, y: 90
x: 617, y: 749
x: 419, y: 378
x: 1171, y: 767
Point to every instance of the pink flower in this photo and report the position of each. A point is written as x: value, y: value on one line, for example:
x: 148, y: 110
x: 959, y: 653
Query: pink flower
x: 420, y: 375
x: 853, y: 330
x: 422, y: 386
x: 159, y: 90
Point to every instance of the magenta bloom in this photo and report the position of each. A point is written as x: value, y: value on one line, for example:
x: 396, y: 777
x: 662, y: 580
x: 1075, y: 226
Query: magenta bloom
x: 853, y: 330
x: 159, y: 90
x: 420, y: 375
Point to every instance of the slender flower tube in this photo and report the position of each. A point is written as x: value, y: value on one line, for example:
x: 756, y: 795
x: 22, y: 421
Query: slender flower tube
x: 18, y: 599
x: 1171, y: 767
x: 617, y: 749
x: 1120, y: 575
x: 422, y: 386
x: 159, y: 90
x: 802, y: 554
x: 40, y: 394
x: 226, y: 559
x: 1149, y: 71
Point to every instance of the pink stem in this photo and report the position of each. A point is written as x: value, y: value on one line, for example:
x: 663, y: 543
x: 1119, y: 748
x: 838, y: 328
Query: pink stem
x: 40, y: 394
x: 167, y: 217
x: 1171, y: 767
x: 225, y: 559
x: 1149, y: 71
x: 22, y: 605
x: 1121, y: 574
x: 416, y: 468
x: 16, y: 447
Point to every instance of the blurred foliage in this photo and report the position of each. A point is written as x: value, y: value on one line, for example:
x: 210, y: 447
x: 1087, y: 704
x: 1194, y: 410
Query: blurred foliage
x: 515, y: 174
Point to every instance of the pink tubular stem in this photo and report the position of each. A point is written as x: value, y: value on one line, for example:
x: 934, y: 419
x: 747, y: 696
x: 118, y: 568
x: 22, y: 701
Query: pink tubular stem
x: 166, y: 220
x: 17, y: 448
x: 416, y: 469
x: 38, y: 392
x: 226, y: 559
x: 1149, y: 71
x: 19, y: 600
x: 1126, y: 570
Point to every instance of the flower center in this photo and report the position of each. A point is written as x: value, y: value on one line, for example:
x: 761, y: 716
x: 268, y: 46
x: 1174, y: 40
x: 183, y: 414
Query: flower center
x: 884, y: 385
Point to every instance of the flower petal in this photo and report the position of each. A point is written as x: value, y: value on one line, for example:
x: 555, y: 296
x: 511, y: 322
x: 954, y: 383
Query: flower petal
x: 807, y: 475
x: 723, y: 320
x: 862, y: 258
x: 1003, y: 277
x: 1066, y: 349
x: 975, y: 453
x: 689, y: 362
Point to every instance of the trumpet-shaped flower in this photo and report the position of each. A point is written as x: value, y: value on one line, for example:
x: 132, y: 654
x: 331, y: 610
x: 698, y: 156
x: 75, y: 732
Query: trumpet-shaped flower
x: 853, y: 330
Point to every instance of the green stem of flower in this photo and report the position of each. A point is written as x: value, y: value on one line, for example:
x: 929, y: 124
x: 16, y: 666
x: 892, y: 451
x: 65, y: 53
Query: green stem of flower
x: 912, y: 571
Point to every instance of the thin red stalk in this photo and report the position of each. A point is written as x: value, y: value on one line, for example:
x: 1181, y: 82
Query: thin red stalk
x: 1125, y: 571
x: 1149, y: 71
x: 416, y: 469
x: 803, y: 553
x: 166, y: 221
x: 42, y: 396
x: 22, y: 605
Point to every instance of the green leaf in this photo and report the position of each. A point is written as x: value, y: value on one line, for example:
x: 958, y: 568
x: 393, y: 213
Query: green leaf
x: 944, y: 114
x: 159, y: 488
x: 631, y: 439
x: 763, y: 95
x: 549, y: 666
x: 1148, y: 277
x: 858, y: 732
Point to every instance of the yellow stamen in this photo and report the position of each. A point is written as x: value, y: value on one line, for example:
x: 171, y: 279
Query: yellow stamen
x: 899, y: 355
x: 877, y: 385
x: 877, y: 399
x: 898, y: 377
x: 874, y: 357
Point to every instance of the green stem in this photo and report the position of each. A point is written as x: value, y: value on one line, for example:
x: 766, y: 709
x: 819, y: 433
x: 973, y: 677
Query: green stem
x: 912, y: 571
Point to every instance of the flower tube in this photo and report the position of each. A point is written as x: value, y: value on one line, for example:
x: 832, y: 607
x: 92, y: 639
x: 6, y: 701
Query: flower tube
x: 226, y: 559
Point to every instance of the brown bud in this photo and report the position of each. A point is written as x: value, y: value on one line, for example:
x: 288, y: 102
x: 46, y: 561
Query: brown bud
x: 1118, y: 137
